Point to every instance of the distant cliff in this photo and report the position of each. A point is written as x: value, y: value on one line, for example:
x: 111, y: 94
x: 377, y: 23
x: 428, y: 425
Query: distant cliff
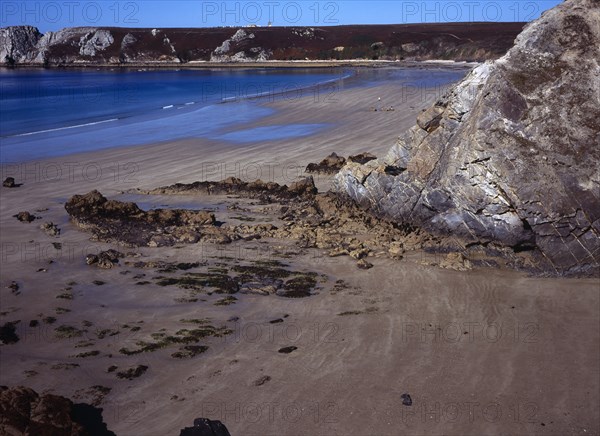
x: 510, y: 155
x: 22, y: 45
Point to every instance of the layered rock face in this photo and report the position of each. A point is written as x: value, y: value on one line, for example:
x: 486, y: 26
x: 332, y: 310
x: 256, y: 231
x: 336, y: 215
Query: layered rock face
x: 510, y: 155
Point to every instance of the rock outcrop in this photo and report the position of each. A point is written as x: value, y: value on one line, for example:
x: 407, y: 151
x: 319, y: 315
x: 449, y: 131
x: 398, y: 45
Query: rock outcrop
x: 17, y: 42
x: 265, y: 191
x: 121, y: 46
x: 24, y: 411
x: 237, y: 49
x: 510, y: 155
x: 126, y: 223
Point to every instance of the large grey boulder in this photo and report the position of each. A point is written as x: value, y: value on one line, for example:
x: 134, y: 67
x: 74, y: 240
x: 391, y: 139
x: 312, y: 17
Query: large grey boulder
x: 511, y: 155
x: 16, y: 42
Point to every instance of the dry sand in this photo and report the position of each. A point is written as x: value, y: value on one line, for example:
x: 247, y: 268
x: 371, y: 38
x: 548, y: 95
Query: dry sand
x: 479, y: 352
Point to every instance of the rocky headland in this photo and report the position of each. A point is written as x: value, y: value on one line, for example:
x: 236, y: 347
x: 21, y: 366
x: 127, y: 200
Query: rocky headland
x: 509, y: 157
x: 80, y: 46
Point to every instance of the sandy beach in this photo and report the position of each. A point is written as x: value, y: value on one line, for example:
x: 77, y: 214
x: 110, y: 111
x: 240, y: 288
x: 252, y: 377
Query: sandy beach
x: 403, y: 348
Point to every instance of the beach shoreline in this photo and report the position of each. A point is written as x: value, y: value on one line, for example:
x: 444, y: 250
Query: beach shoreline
x: 395, y: 329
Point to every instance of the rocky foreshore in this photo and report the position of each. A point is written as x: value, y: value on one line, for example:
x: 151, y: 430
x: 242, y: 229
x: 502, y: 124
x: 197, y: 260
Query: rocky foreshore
x: 415, y: 278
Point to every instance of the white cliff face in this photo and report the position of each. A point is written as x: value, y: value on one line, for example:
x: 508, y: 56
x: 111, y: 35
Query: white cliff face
x: 93, y: 42
x: 510, y: 155
x: 223, y: 53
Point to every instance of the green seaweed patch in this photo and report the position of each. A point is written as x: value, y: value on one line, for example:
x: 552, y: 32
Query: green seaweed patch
x: 183, y: 336
x: 67, y: 331
x: 367, y: 311
x: 101, y: 334
x: 182, y: 266
x: 65, y: 366
x: 300, y: 286
x: 92, y: 353
x: 271, y: 263
x: 65, y: 296
x: 85, y: 344
x: 261, y: 271
x: 219, y: 283
x: 49, y: 320
x: 351, y: 312
x: 61, y: 310
x: 218, y: 270
x: 134, y: 372
x: 185, y: 300
x: 189, y: 351
x: 200, y: 321
x: 226, y: 301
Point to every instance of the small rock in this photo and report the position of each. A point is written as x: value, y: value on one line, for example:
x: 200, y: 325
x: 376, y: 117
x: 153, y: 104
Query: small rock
x: 396, y: 250
x: 287, y: 350
x: 25, y: 217
x: 406, y: 400
x: 363, y: 264
x: 456, y: 261
x: 362, y: 158
x: 338, y: 251
x: 304, y: 186
x: 50, y: 229
x: 9, y: 182
x: 105, y: 259
x: 330, y: 165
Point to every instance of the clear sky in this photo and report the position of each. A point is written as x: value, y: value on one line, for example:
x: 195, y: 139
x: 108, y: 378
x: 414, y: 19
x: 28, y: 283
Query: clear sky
x: 56, y: 14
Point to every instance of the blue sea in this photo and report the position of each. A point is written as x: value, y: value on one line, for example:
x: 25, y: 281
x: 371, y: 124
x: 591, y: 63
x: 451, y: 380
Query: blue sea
x: 47, y: 113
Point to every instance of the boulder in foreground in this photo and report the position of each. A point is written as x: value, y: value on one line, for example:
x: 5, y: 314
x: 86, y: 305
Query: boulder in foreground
x: 24, y: 411
x: 205, y: 427
x: 510, y: 155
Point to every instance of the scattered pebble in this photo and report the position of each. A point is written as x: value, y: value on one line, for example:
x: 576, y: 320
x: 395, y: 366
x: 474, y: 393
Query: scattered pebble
x: 262, y: 380
x: 287, y: 350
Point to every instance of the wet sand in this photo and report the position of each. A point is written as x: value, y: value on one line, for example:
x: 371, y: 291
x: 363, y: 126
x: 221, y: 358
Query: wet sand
x: 478, y: 352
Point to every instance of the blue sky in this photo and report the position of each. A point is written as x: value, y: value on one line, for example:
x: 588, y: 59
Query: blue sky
x: 56, y: 14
